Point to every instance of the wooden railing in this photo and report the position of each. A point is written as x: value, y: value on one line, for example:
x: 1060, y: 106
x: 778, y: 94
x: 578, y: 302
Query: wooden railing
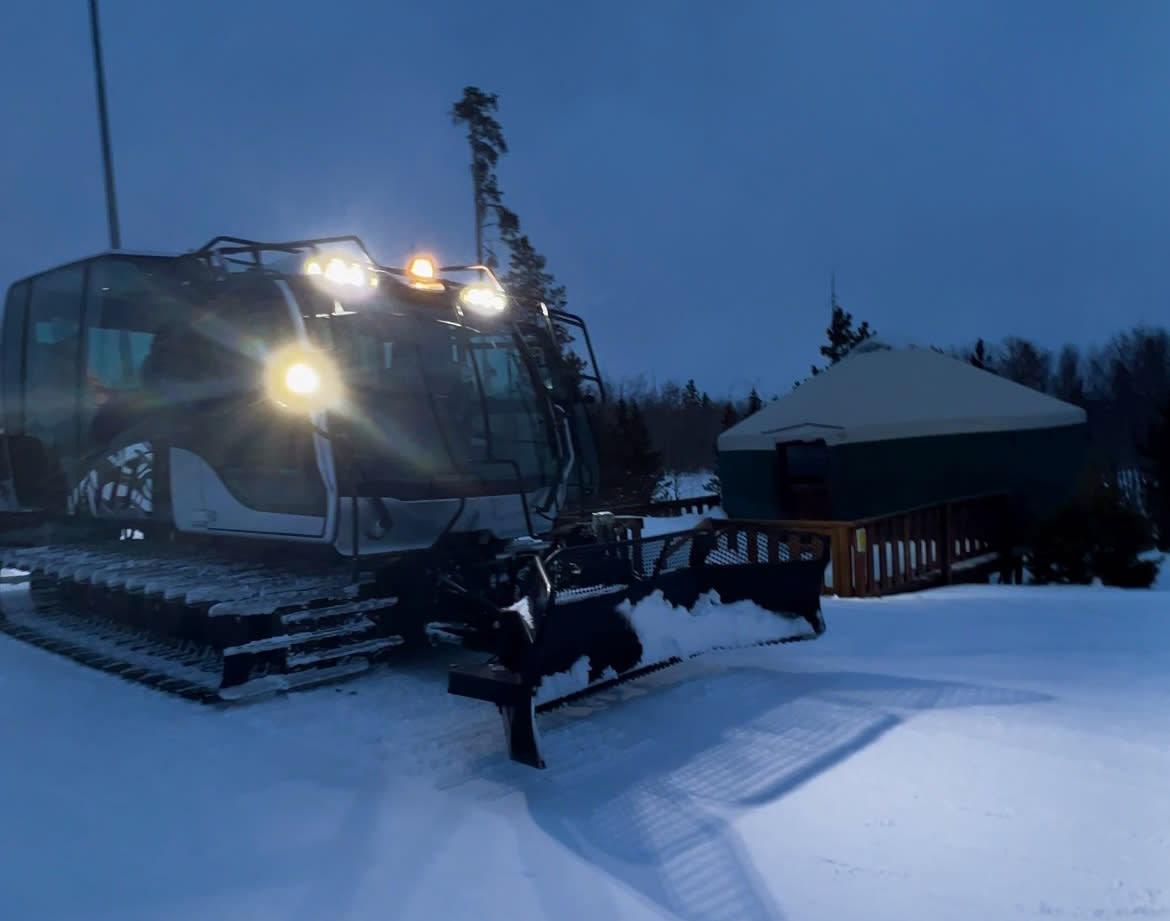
x: 912, y: 549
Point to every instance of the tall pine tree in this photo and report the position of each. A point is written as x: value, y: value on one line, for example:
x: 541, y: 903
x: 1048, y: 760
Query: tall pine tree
x: 527, y: 276
x: 527, y: 279
x: 486, y: 137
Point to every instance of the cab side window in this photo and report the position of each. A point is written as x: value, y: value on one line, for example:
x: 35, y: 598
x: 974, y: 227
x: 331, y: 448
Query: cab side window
x: 516, y: 416
x: 52, y: 358
x: 128, y: 302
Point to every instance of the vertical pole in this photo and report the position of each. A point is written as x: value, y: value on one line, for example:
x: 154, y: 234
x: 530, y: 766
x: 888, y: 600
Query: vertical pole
x: 103, y: 119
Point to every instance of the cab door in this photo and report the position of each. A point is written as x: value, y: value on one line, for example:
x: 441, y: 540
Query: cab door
x: 244, y: 465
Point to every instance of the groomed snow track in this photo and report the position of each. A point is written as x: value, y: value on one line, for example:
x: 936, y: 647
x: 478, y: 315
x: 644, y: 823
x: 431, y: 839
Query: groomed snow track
x: 201, y: 627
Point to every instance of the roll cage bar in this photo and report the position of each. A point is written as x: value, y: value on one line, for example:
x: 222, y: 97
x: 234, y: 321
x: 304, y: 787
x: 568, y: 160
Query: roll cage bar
x: 228, y: 247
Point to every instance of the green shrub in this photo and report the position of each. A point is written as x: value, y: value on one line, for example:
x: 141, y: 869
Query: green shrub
x: 1099, y: 534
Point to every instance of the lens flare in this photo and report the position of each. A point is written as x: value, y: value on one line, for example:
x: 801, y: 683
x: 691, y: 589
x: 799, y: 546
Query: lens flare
x: 302, y: 378
x: 483, y: 298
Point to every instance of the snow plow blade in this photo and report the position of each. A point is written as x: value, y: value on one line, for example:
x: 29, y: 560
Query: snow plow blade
x: 577, y: 632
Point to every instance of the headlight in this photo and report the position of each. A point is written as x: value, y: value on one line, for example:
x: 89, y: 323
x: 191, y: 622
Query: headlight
x: 483, y: 298
x: 301, y: 379
x: 342, y: 272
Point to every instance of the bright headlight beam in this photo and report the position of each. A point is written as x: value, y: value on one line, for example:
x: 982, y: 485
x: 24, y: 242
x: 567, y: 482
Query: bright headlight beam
x: 339, y: 271
x: 302, y: 379
x: 483, y: 299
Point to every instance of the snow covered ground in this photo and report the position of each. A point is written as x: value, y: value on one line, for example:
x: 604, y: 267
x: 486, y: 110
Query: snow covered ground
x: 978, y: 752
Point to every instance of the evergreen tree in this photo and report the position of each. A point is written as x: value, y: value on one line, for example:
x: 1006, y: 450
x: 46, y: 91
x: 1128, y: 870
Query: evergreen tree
x: 621, y: 416
x: 643, y: 463
x: 1025, y: 363
x: 632, y: 468
x: 1155, y: 455
x: 475, y: 110
x: 755, y: 404
x: 1067, y: 383
x: 730, y: 417
x: 528, y: 279
x: 979, y: 356
x: 530, y: 284
x: 843, y: 338
x: 841, y: 334
x: 611, y: 443
x: 691, y: 399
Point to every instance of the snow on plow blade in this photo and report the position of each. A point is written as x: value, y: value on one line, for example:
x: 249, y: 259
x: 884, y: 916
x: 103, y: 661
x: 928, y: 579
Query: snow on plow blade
x: 582, y: 627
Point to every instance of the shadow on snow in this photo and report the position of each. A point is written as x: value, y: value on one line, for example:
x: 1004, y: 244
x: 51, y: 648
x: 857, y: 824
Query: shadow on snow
x: 646, y: 793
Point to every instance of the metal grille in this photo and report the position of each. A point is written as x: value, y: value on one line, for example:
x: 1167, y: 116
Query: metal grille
x: 588, y: 570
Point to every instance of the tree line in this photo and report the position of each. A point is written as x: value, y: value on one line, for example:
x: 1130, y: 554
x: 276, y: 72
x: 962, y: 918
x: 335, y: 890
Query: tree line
x: 1121, y: 385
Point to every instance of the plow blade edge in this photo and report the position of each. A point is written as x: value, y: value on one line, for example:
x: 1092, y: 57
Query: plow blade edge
x: 580, y: 628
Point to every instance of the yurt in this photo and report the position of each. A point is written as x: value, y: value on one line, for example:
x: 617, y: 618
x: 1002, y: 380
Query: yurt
x: 887, y: 430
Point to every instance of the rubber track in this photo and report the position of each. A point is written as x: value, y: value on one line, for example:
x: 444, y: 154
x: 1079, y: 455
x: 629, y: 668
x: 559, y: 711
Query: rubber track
x: 190, y: 690
x: 137, y: 674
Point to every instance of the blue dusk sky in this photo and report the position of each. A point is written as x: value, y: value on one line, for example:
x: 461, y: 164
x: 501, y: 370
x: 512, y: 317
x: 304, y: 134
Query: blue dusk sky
x: 694, y: 172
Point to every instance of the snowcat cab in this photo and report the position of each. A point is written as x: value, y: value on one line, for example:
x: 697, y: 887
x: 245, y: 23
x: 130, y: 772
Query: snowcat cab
x: 259, y: 466
x: 252, y: 387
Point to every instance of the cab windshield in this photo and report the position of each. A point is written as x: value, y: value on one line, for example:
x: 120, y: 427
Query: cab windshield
x: 433, y: 404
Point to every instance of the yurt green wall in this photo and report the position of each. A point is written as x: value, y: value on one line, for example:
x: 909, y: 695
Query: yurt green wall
x: 903, y: 428
x: 1038, y: 467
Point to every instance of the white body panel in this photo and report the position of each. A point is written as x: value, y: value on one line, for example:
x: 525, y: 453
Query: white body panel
x: 203, y: 505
